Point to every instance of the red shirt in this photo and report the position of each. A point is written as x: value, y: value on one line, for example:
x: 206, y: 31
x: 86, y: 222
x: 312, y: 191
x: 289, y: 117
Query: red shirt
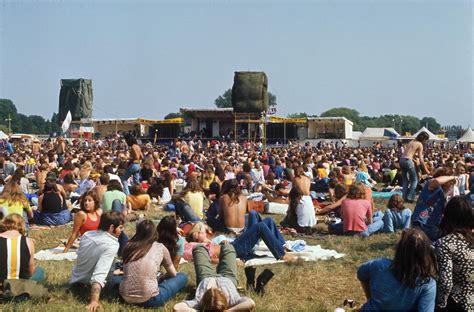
x: 354, y: 212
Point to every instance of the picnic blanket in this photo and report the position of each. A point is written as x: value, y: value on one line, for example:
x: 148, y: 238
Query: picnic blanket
x: 309, y: 253
x: 56, y: 254
x: 384, y: 194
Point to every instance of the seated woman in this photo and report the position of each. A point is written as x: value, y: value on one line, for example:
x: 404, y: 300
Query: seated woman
x: 216, y: 291
x: 356, y: 213
x: 168, y: 236
x: 301, y: 214
x: 51, y: 209
x: 19, y: 264
x: 138, y: 198
x: 277, y: 199
x: 396, y: 216
x: 13, y: 200
x: 142, y: 258
x: 87, y: 219
x: 454, y: 252
x: 405, y: 283
x: 194, y: 196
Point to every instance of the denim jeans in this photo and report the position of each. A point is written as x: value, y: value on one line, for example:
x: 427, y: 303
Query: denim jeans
x: 133, y: 170
x: 227, y: 266
x: 375, y: 226
x: 168, y: 289
x: 266, y: 230
x: 185, y: 211
x: 409, y: 178
x: 38, y: 275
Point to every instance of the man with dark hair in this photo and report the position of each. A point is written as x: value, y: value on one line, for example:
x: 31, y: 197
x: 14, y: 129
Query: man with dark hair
x: 134, y: 161
x: 96, y: 254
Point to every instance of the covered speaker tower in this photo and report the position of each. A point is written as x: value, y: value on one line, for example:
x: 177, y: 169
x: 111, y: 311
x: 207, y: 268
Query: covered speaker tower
x: 75, y: 96
x: 250, y: 92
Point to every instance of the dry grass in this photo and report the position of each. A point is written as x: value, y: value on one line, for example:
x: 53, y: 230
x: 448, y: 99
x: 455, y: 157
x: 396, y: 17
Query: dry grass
x: 305, y: 286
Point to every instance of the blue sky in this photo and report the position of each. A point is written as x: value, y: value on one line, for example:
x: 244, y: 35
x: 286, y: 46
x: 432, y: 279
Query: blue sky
x: 148, y: 58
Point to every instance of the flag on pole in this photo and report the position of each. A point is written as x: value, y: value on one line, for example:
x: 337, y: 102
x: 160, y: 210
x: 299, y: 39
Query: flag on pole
x: 66, y: 122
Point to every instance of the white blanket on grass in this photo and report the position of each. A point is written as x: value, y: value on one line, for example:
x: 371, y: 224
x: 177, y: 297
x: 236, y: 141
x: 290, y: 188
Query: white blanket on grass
x: 56, y: 254
x: 310, y: 253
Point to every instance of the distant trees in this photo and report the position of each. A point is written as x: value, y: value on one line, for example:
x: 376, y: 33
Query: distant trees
x: 33, y: 124
x: 173, y: 115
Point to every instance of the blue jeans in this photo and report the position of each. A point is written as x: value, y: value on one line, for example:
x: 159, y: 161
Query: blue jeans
x: 185, y: 211
x: 168, y: 289
x: 266, y: 230
x: 409, y: 178
x: 133, y: 170
x: 375, y: 226
x: 38, y: 275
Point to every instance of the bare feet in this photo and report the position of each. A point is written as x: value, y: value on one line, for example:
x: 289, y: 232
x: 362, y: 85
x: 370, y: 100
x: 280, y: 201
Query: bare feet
x: 289, y: 257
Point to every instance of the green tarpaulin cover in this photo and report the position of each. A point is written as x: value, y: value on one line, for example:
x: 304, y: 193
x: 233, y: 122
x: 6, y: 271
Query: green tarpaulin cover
x: 75, y: 96
x: 250, y: 92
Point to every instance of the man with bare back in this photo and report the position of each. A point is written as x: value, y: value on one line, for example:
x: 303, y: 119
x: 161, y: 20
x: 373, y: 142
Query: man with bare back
x: 134, y: 162
x: 232, y: 206
x: 407, y: 166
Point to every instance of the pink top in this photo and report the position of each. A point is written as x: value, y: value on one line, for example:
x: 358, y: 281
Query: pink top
x: 354, y: 213
x: 188, y: 250
x: 139, y: 277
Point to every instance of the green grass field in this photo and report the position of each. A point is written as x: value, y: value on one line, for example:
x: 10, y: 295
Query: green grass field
x: 304, y: 286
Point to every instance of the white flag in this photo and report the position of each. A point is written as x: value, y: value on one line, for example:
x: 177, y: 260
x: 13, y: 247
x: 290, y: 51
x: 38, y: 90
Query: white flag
x: 66, y: 122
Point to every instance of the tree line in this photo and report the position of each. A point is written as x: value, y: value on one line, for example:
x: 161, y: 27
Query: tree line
x: 21, y: 123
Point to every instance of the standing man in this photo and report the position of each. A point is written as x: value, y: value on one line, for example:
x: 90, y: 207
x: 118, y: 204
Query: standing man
x: 407, y: 166
x: 96, y: 254
x: 134, y: 162
x: 60, y: 149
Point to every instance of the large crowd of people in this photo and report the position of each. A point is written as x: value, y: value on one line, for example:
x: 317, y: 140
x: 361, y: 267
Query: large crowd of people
x: 222, y: 187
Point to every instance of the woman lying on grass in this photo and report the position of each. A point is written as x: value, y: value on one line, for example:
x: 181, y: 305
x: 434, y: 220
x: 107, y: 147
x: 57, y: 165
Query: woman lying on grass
x: 216, y: 291
x: 404, y: 283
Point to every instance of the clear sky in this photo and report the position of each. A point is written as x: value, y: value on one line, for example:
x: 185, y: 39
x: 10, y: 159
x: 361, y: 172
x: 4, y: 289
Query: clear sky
x: 148, y: 58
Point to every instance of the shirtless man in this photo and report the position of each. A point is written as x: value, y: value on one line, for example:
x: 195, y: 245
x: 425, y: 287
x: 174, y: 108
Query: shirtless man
x: 134, y: 159
x: 36, y: 148
x: 232, y: 206
x: 60, y: 149
x: 407, y: 166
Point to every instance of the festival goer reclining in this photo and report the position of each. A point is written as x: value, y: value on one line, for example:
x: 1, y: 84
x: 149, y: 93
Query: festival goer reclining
x: 167, y: 231
x: 396, y: 216
x: 356, y: 213
x: 431, y: 203
x: 17, y: 265
x: 244, y: 244
x: 142, y: 258
x: 51, y: 209
x: 138, y: 198
x: 86, y: 219
x: 96, y: 254
x: 216, y: 291
x: 405, y: 283
x: 277, y: 198
x: 454, y: 250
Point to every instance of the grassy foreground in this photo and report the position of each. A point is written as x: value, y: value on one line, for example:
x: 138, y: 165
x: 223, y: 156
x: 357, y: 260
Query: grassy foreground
x: 304, y: 286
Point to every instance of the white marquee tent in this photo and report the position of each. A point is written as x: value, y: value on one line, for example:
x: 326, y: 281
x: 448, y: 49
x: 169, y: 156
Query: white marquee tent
x: 468, y: 136
x: 432, y: 137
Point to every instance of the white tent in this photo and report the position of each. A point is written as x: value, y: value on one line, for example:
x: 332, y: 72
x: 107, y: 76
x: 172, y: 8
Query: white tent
x: 378, y: 134
x: 356, y: 135
x: 468, y: 136
x: 432, y: 137
x: 3, y: 135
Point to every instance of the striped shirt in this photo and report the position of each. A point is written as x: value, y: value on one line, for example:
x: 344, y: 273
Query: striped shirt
x: 14, y: 258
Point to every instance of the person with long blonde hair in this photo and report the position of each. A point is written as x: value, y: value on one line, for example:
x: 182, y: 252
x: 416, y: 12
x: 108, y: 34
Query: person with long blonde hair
x: 13, y: 200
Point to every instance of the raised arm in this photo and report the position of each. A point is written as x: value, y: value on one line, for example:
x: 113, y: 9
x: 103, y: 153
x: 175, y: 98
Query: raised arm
x: 79, y: 220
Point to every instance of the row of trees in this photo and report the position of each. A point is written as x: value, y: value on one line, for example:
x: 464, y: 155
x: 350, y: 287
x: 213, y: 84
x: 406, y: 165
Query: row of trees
x: 21, y: 123
x: 401, y: 123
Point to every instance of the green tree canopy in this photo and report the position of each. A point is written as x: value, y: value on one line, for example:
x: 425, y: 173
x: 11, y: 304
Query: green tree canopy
x: 431, y: 124
x: 173, y: 115
x: 225, y: 100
